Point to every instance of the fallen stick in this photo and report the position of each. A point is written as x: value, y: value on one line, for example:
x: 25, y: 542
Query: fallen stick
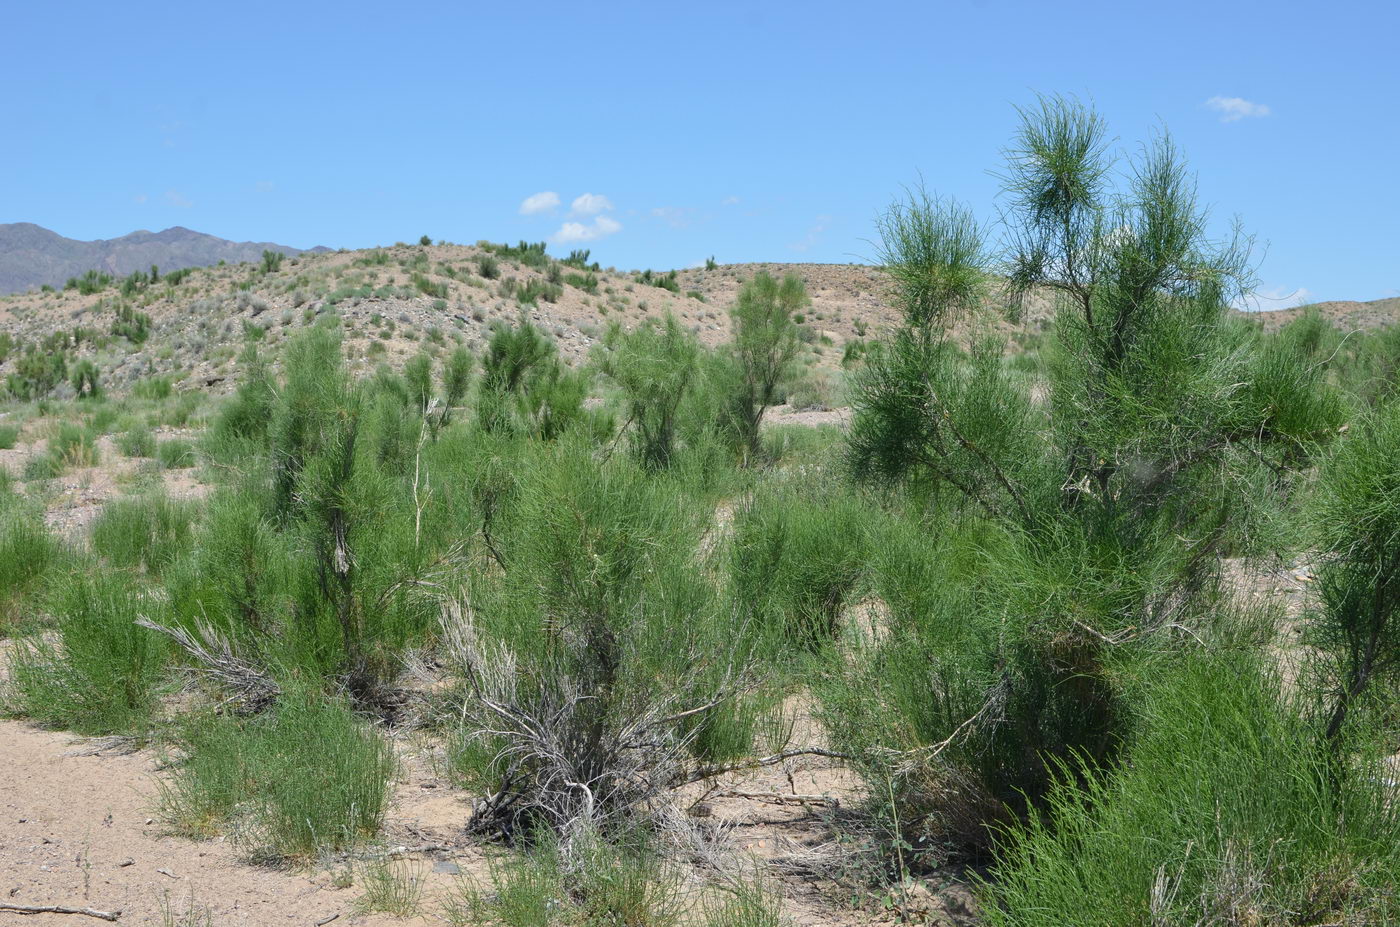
x: 780, y: 798
x: 58, y: 909
x: 326, y: 920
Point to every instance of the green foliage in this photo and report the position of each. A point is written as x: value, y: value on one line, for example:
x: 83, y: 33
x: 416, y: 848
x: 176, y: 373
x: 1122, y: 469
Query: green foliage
x: 245, y: 419
x: 84, y: 378
x: 390, y: 889
x: 418, y: 373
x: 147, y: 532
x: 710, y: 263
x: 176, y: 454
x: 456, y: 380
x: 9, y: 437
x: 653, y: 365
x: 488, y: 267
x: 765, y: 343
x: 271, y: 261
x: 603, y: 884
x: 71, y: 446
x: 137, y: 441
x: 795, y: 562
x: 666, y: 281
x: 27, y: 554
x: 93, y: 281
x: 132, y: 325
x: 599, y: 621
x: 154, y: 388
x: 306, y: 778
x: 101, y: 673
x: 533, y: 290
x: 1357, y: 533
x: 37, y: 373
x: 525, y: 387
x: 429, y: 287
x: 587, y: 282
x: 748, y: 904
x: 1222, y: 815
x: 531, y: 254
x: 1106, y: 504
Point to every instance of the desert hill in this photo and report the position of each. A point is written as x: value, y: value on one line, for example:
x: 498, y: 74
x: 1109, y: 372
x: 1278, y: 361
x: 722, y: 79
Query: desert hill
x: 396, y: 301
x: 1346, y: 315
x: 33, y: 256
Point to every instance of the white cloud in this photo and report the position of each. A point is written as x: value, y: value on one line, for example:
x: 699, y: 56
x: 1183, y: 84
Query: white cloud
x: 600, y: 227
x: 264, y: 186
x: 1267, y: 298
x: 539, y: 202
x: 1233, y: 109
x: 177, y: 199
x: 813, y: 234
x: 729, y: 201
x: 590, y: 204
x: 140, y: 198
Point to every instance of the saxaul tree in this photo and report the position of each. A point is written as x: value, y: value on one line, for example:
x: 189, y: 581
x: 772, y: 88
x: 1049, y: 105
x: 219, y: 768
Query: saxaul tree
x: 765, y: 343
x: 1101, y: 492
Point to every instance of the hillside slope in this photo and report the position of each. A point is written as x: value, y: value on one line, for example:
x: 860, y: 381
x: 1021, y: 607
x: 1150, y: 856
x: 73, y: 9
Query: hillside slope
x: 396, y: 301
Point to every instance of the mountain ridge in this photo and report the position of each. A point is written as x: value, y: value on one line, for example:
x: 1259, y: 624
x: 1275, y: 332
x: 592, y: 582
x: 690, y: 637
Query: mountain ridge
x: 34, y: 256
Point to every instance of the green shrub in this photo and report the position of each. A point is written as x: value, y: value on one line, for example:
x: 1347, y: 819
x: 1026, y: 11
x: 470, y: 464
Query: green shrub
x: 137, y: 441
x: 71, y: 446
x: 795, y: 562
x: 1223, y: 814
x: 27, y: 553
x: 602, y: 883
x: 765, y: 343
x: 176, y: 454
x: 84, y: 378
x: 305, y: 778
x: 654, y: 366
x: 429, y: 287
x: 101, y: 674
x: 9, y: 437
x: 488, y: 267
x: 92, y: 281
x: 147, y: 532
x: 1356, y: 518
x: 597, y: 625
x: 37, y: 373
x: 132, y: 325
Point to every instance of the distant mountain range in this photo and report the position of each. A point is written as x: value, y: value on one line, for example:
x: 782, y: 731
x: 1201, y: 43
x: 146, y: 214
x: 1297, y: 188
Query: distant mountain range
x: 31, y: 255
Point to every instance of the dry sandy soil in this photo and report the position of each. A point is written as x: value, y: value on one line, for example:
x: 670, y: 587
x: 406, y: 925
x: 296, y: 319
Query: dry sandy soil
x: 78, y: 828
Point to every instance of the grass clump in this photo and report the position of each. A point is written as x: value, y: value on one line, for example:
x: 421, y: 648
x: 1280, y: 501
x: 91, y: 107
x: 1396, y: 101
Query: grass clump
x: 304, y: 778
x: 795, y: 561
x: 145, y: 532
x: 599, y: 884
x: 9, y: 437
x: 1224, y: 814
x: 137, y: 441
x: 27, y: 553
x: 100, y: 672
x: 390, y: 888
x: 176, y: 454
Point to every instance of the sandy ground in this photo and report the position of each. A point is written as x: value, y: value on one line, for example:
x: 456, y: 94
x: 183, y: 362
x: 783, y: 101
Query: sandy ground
x: 78, y: 828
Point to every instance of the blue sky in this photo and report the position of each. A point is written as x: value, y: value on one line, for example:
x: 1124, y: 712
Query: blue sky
x: 668, y: 133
